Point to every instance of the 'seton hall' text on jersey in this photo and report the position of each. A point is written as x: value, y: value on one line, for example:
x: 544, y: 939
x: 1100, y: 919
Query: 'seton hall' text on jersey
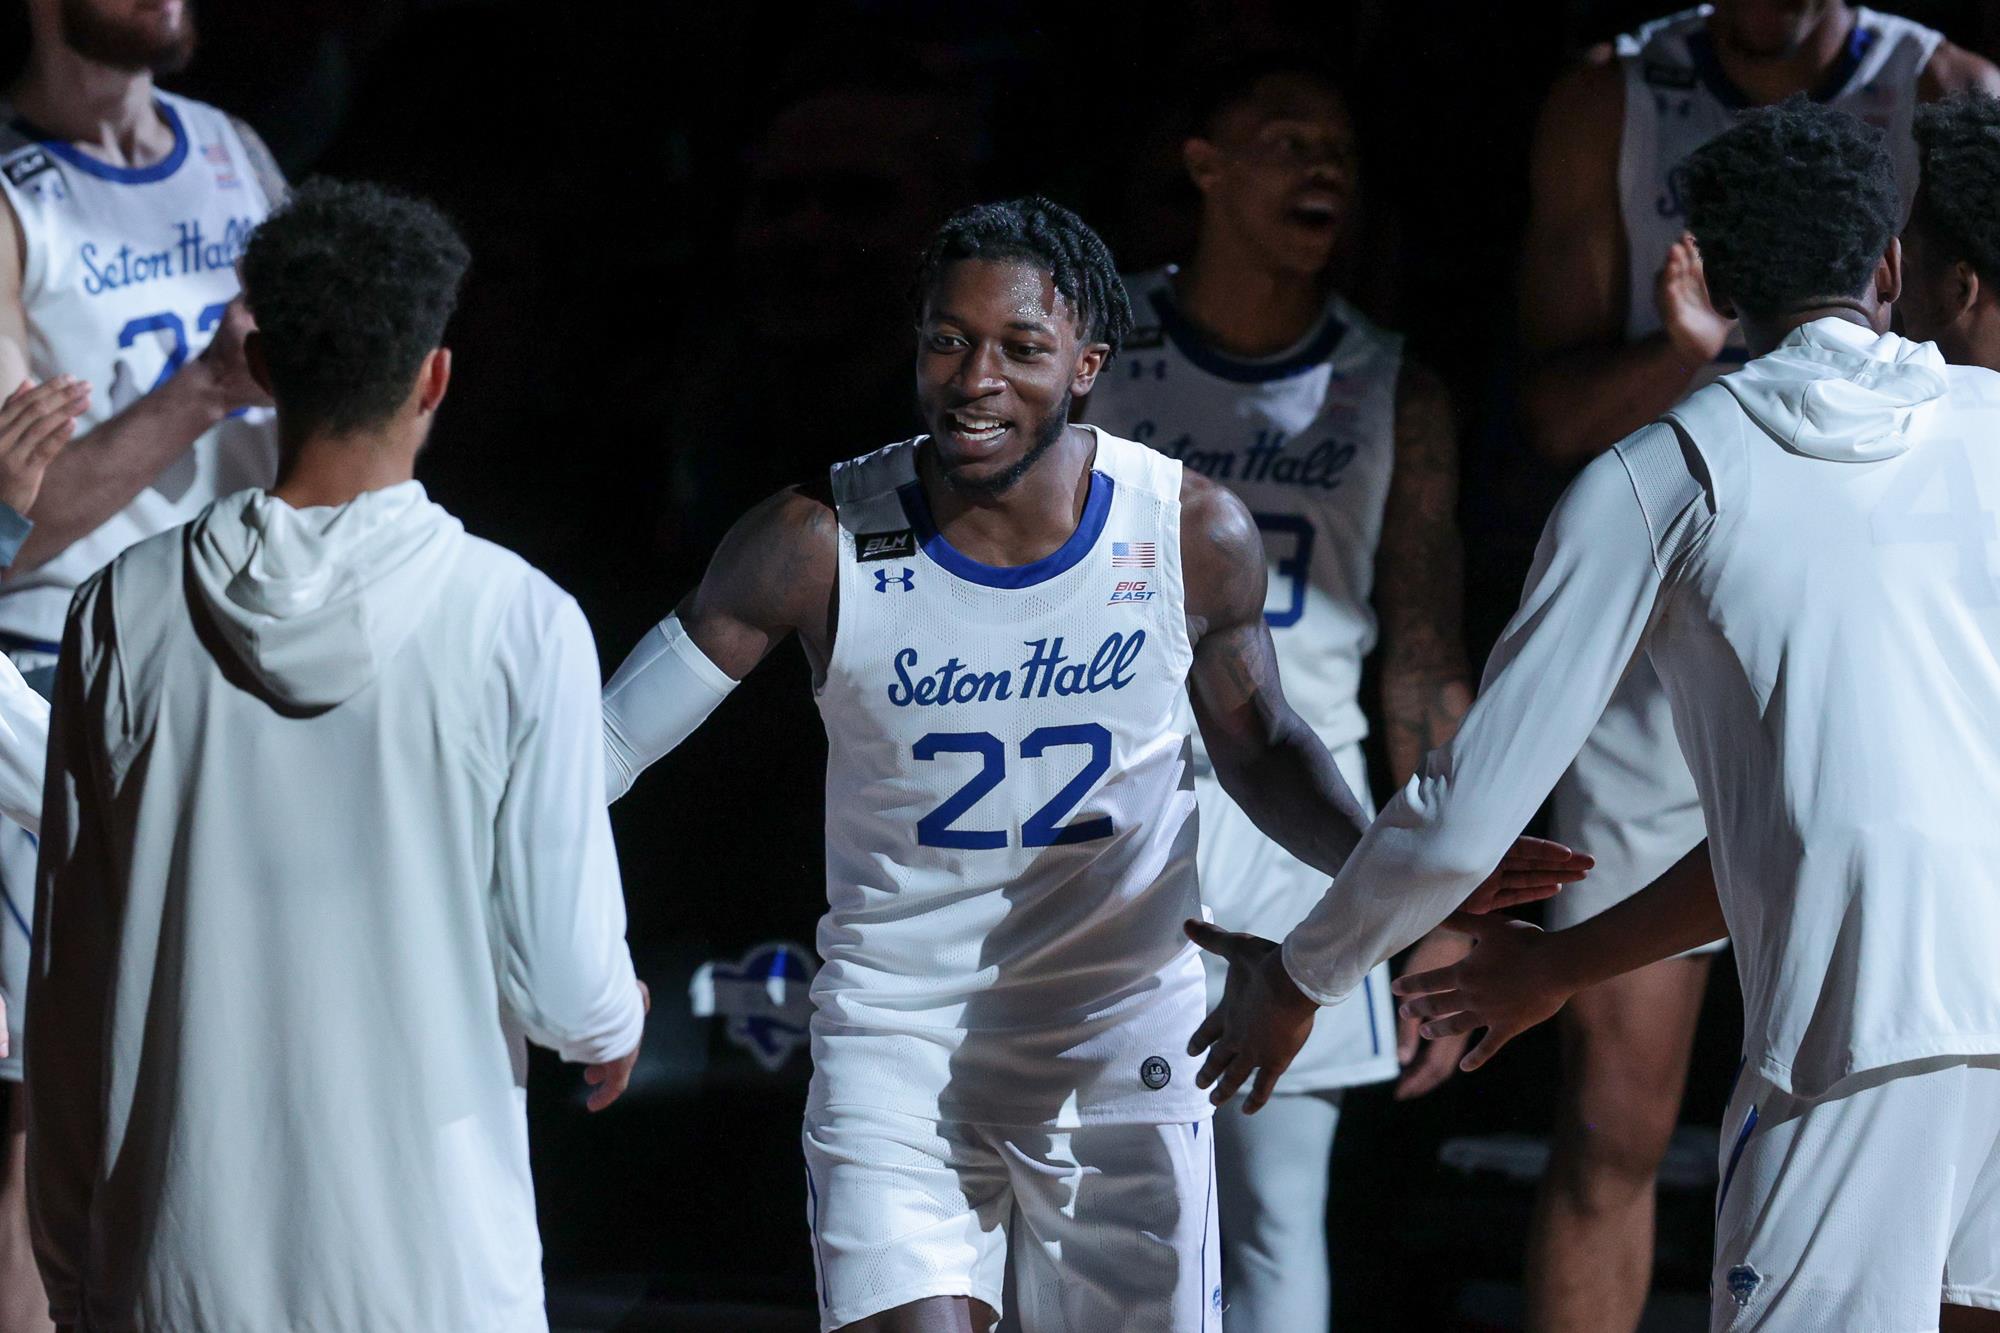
x: 1048, y: 670
x: 1265, y: 459
x: 190, y: 251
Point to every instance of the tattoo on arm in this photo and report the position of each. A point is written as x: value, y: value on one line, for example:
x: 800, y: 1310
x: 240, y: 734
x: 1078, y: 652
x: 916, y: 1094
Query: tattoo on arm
x: 1265, y: 756
x: 1426, y: 687
x: 270, y: 176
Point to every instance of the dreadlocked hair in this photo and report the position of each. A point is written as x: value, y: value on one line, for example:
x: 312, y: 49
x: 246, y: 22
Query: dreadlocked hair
x: 1043, y: 233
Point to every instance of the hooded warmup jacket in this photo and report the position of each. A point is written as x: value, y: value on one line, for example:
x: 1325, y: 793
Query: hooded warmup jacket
x: 324, y: 840
x: 1805, y: 551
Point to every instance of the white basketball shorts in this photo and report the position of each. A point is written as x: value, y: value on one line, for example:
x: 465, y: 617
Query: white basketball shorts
x: 1861, y: 1210
x: 1077, y: 1230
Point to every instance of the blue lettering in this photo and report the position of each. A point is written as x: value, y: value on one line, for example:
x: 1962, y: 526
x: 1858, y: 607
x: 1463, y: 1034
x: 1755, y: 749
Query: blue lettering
x: 1048, y: 670
x: 1037, y: 671
x: 900, y: 694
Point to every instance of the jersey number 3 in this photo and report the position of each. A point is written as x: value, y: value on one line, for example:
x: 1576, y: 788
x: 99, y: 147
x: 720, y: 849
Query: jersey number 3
x: 1041, y: 829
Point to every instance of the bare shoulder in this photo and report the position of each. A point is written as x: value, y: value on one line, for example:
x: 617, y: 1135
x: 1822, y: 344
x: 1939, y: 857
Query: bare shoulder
x: 270, y: 176
x: 1222, y: 556
x: 1585, y: 106
x: 1953, y: 69
x: 1215, y: 523
x: 777, y: 564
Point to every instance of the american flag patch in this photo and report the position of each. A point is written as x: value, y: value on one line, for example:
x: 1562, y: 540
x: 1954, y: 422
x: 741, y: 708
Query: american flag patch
x: 216, y: 153
x: 1132, y: 555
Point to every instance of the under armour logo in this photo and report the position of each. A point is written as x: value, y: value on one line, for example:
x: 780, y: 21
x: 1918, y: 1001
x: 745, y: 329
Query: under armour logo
x: 905, y: 580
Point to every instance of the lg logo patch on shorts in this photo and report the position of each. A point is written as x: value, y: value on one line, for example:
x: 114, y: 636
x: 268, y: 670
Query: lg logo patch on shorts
x: 1156, y: 1073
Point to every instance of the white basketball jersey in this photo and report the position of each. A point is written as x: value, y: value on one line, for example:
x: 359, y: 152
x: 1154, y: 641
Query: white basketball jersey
x: 126, y: 273
x: 1677, y: 98
x: 1307, y: 440
x: 1010, y: 819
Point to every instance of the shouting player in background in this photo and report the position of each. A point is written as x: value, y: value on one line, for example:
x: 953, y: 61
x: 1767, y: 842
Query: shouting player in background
x: 1006, y: 618
x: 1249, y: 370
x: 127, y: 208
x: 1615, y: 308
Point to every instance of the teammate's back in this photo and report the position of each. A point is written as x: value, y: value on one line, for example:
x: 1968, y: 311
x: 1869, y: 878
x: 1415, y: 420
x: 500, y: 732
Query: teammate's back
x: 1832, y: 648
x: 325, y: 842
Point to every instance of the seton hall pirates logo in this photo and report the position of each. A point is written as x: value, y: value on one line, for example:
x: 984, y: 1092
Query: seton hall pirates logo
x: 764, y: 999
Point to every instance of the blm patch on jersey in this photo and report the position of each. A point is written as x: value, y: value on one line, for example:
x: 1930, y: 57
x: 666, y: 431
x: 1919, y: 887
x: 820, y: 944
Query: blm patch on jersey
x: 28, y: 166
x: 884, y: 546
x: 1662, y: 75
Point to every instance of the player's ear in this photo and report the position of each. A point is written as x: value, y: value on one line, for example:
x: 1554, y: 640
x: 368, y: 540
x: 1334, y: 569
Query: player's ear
x: 253, y: 357
x: 1203, y: 161
x: 433, y: 378
x: 1966, y: 286
x: 1090, y: 359
x: 1889, y: 273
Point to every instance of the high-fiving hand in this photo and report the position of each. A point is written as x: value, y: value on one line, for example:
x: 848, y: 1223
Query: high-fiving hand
x: 36, y: 422
x: 1262, y: 1021
x: 1511, y: 980
x: 1264, y: 1018
x: 1696, y: 329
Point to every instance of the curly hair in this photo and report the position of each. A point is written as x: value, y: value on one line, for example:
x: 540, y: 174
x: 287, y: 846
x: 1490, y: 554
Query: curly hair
x: 351, y: 285
x: 1043, y: 233
x: 1794, y: 203
x: 1958, y: 197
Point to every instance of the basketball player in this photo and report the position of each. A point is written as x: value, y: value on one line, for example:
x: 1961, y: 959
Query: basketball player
x: 35, y: 423
x: 1246, y: 367
x: 325, y: 841
x: 127, y: 209
x: 1802, y: 552
x: 1614, y: 304
x: 1007, y: 617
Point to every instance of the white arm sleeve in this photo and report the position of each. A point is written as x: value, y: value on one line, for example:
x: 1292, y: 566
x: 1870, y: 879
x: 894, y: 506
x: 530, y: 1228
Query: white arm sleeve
x: 1589, y: 600
x: 664, y: 690
x: 24, y: 748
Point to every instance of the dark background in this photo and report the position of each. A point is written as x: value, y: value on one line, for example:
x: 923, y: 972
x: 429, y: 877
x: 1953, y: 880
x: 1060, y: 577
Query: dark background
x: 693, y: 229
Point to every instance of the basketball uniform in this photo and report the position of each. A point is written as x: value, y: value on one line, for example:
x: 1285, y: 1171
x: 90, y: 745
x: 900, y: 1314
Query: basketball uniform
x: 126, y: 272
x: 1306, y: 439
x: 1002, y: 1105
x: 1629, y: 800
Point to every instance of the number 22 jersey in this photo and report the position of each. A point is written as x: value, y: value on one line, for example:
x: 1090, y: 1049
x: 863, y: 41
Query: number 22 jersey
x: 126, y: 272
x: 1010, y: 813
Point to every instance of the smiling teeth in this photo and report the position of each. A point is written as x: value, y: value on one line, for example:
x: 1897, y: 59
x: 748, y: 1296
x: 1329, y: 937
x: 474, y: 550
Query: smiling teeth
x: 978, y: 426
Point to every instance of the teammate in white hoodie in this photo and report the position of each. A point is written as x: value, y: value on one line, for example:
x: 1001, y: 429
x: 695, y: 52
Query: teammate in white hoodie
x: 324, y: 840
x: 1801, y: 550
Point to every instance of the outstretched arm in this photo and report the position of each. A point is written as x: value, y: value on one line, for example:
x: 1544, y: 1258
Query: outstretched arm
x: 772, y: 576
x: 1265, y: 756
x: 1589, y: 601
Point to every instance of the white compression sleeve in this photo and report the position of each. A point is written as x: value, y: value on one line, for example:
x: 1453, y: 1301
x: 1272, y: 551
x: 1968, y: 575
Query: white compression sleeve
x: 664, y: 690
